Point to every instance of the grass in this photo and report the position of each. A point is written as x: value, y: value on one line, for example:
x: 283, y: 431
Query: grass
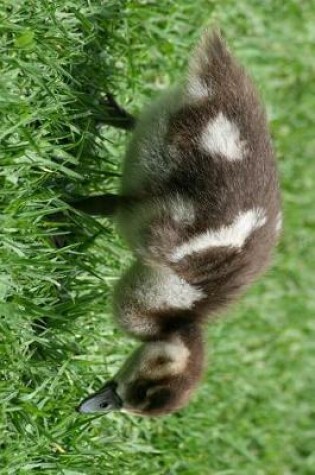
x: 254, y: 412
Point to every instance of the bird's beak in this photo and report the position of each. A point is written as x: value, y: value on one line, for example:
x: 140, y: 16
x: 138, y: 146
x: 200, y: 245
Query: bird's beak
x: 105, y: 400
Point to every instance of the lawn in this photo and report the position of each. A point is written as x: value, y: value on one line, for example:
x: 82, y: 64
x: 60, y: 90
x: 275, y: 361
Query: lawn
x: 254, y: 412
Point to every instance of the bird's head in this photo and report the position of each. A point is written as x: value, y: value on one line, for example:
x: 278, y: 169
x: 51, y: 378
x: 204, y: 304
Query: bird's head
x: 158, y: 378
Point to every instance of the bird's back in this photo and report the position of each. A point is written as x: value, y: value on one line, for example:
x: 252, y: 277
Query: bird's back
x: 201, y: 171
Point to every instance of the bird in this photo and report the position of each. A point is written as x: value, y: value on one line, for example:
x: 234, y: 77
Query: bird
x: 200, y: 209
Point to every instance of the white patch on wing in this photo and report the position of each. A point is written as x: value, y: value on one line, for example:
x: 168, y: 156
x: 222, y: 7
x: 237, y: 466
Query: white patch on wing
x: 233, y: 235
x: 221, y: 136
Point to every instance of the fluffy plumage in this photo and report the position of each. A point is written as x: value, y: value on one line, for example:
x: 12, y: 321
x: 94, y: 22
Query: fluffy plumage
x: 200, y: 210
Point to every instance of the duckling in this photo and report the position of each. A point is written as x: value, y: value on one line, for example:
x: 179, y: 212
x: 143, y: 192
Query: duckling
x: 200, y: 210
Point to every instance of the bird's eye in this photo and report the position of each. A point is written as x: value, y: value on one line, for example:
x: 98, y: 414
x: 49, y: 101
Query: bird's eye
x: 141, y: 392
x: 103, y: 405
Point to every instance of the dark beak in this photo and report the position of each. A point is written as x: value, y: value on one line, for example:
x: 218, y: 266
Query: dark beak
x: 105, y: 400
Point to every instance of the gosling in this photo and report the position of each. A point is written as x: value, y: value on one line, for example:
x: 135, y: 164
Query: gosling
x: 200, y: 209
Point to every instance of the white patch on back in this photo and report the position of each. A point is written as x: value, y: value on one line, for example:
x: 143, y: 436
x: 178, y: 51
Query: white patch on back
x: 233, y: 235
x: 221, y: 136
